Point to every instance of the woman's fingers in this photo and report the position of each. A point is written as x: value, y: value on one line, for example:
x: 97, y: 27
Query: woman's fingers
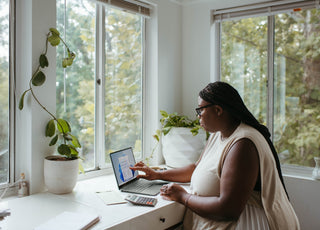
x: 172, y: 191
x: 164, y: 189
x: 140, y: 164
x: 148, y: 173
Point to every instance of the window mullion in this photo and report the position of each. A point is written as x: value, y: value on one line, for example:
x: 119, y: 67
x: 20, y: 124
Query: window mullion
x: 12, y: 79
x: 99, y: 88
x: 217, y: 53
x: 270, y: 82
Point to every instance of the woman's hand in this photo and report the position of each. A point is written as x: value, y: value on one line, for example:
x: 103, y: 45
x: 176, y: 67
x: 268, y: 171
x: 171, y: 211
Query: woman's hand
x: 150, y: 174
x: 173, y: 192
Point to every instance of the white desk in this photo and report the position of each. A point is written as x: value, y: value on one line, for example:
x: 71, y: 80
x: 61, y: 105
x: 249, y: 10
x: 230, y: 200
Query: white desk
x: 29, y: 212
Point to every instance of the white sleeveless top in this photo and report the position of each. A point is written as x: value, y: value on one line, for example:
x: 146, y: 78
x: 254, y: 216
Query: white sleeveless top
x: 260, y: 212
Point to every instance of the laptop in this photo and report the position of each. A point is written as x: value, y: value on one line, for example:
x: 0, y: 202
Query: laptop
x: 127, y: 178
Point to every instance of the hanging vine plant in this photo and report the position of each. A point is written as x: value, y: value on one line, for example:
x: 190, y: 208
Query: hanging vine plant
x: 57, y: 129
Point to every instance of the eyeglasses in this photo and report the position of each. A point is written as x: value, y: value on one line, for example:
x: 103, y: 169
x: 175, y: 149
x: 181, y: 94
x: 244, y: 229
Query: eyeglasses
x: 199, y: 110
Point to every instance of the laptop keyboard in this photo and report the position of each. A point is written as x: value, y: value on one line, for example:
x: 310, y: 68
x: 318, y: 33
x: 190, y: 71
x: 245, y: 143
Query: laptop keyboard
x: 143, y: 187
x: 139, y: 185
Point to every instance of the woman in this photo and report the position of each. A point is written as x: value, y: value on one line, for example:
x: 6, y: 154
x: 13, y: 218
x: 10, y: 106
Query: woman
x: 237, y: 182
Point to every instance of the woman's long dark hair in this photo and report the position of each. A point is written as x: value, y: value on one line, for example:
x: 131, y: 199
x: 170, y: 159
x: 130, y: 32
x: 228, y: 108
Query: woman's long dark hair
x: 224, y: 95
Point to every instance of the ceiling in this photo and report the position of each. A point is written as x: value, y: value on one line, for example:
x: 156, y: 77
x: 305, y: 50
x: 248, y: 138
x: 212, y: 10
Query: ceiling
x: 186, y: 2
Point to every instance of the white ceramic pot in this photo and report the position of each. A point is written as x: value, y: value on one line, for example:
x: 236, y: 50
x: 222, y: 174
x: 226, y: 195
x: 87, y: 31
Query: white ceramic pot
x: 181, y: 148
x: 60, y: 176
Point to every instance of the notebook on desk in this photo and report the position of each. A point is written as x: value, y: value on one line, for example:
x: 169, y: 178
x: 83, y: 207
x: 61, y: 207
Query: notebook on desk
x: 126, y: 178
x: 70, y: 221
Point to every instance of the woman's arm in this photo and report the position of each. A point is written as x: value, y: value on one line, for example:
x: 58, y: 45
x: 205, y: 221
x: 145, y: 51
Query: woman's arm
x: 238, y: 177
x: 178, y: 175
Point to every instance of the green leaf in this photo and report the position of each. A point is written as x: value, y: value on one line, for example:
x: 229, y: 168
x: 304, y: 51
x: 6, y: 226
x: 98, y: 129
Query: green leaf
x: 39, y: 79
x: 75, y: 141
x: 195, y: 131
x: 166, y: 130
x: 63, y: 126
x: 64, y: 63
x: 67, y: 62
x: 54, y: 39
x: 81, y: 167
x: 64, y: 149
x: 43, y: 60
x: 74, y: 152
x: 163, y: 113
x: 54, y: 140
x: 50, y: 128
x: 54, y: 31
x: 71, y: 55
x: 21, y: 102
x: 156, y: 137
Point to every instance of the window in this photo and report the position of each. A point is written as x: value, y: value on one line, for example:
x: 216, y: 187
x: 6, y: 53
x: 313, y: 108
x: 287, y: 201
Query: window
x: 101, y: 93
x: 4, y: 92
x: 270, y: 53
x: 244, y: 61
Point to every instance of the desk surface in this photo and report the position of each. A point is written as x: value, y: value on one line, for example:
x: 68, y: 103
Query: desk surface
x: 31, y: 211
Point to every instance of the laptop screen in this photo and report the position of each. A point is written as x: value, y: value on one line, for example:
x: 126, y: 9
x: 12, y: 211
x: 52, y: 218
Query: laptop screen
x: 121, y: 161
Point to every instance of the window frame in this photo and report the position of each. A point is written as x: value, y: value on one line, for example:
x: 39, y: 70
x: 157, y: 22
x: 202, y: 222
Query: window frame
x: 99, y: 145
x: 100, y: 165
x: 12, y: 104
x: 269, y: 9
x: 12, y: 80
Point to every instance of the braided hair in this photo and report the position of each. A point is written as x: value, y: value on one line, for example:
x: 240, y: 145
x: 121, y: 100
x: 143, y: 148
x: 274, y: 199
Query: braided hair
x: 222, y: 94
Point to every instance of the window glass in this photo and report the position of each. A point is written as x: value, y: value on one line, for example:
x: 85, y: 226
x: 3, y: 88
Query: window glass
x: 123, y: 87
x: 123, y: 75
x: 4, y: 91
x: 297, y: 86
x: 244, y: 61
x: 75, y: 85
x: 296, y: 67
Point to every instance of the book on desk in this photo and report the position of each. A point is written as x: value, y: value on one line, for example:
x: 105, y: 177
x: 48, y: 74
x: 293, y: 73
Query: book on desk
x: 70, y: 221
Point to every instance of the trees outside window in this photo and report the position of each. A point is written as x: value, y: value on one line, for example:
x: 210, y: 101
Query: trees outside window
x: 292, y: 39
x: 102, y: 101
x: 4, y: 91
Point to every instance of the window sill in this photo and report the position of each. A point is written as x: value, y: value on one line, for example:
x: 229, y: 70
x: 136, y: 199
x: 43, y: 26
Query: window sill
x: 95, y: 173
x: 298, y: 172
x: 84, y: 199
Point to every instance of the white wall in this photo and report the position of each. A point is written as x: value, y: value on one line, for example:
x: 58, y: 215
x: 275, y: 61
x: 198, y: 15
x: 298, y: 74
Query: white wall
x: 166, y: 29
x: 163, y: 68
x: 33, y: 19
x: 303, y: 193
x: 196, y: 61
x: 170, y: 48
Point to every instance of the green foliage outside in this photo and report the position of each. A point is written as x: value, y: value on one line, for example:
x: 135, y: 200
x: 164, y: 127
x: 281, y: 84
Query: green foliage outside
x: 4, y: 91
x: 122, y: 81
x: 4, y: 104
x: 75, y: 93
x: 296, y: 78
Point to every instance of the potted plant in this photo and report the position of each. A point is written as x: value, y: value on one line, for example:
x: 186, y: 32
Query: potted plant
x: 182, y: 139
x: 59, y: 130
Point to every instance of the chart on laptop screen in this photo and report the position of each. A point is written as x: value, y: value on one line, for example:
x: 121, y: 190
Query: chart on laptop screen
x: 124, y: 167
x: 122, y: 161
